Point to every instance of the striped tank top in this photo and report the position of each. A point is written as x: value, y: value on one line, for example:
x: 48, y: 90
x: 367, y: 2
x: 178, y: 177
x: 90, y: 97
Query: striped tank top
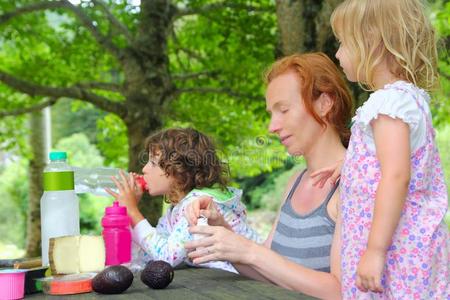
x: 305, y: 239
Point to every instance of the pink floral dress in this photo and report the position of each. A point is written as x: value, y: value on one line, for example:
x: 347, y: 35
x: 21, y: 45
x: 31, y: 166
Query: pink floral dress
x: 417, y: 262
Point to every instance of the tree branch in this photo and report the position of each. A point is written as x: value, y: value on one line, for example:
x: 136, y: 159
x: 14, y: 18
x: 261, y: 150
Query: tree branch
x: 107, y: 86
x: 31, y: 8
x: 83, y: 18
x: 214, y: 90
x: 193, y: 55
x: 33, y: 108
x: 74, y: 92
x: 114, y: 21
x: 195, y: 75
x: 217, y: 6
x: 89, y: 24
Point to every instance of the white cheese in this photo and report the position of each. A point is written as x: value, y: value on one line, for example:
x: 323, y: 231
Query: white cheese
x: 76, y: 254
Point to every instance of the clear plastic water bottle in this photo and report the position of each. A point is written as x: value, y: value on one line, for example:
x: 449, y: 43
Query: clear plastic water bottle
x: 95, y: 180
x: 60, y: 213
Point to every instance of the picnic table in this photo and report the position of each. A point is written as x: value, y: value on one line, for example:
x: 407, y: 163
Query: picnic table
x: 194, y: 283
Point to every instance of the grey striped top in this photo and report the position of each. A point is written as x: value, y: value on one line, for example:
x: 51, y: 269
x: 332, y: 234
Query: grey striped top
x: 305, y: 239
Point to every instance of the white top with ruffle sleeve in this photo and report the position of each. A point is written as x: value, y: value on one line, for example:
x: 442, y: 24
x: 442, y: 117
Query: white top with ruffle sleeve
x: 396, y: 100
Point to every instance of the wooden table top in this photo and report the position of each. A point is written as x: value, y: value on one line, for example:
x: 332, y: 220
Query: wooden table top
x: 193, y: 283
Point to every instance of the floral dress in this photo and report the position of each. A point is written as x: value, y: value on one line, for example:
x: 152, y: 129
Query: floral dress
x: 417, y: 262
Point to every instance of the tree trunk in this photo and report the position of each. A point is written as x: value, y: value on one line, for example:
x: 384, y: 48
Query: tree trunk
x: 35, y: 169
x: 304, y: 26
x: 148, y: 87
x: 290, y: 26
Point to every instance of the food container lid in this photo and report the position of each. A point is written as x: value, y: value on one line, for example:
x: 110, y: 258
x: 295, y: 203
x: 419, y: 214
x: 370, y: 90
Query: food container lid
x: 67, y: 284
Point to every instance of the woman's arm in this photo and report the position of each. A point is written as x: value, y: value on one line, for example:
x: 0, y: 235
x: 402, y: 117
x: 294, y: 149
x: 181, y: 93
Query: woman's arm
x: 293, y: 276
x: 393, y: 152
x: 249, y: 271
x: 222, y: 244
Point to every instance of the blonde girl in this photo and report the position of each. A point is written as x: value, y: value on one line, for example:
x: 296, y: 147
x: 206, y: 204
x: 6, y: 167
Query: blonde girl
x: 395, y: 244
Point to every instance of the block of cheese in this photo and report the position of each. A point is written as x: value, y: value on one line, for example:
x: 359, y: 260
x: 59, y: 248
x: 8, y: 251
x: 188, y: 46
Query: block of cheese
x: 76, y: 254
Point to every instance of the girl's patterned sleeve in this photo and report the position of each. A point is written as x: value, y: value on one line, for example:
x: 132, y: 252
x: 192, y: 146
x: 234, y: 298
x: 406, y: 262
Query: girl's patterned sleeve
x: 166, y: 242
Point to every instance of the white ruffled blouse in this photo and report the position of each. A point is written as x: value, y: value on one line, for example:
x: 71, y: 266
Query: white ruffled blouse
x: 396, y: 100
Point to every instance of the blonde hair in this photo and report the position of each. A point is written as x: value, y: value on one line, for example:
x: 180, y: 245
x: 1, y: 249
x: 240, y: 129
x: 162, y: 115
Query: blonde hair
x: 396, y: 30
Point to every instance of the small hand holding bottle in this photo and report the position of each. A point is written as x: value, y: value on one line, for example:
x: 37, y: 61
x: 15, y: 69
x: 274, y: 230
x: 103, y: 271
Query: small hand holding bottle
x: 129, y: 195
x: 205, y: 206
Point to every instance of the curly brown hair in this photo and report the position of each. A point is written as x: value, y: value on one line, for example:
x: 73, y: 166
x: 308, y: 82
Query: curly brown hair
x: 190, y: 158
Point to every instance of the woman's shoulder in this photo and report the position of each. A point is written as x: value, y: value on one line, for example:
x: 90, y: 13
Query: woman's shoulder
x: 401, y: 100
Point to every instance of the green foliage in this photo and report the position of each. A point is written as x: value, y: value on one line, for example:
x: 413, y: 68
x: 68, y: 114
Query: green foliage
x: 440, y: 102
x: 69, y: 117
x: 443, y: 143
x: 112, y: 141
x: 268, y: 194
x: 80, y: 152
x: 235, y: 47
x: 13, y: 206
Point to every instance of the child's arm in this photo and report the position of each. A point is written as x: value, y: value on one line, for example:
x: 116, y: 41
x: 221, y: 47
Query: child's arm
x: 330, y: 173
x: 393, y: 152
x: 166, y: 242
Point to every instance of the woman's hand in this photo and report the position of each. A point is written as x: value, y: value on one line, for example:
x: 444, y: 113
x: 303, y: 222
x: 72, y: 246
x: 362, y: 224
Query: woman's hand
x: 332, y: 173
x: 129, y: 195
x: 205, y: 206
x: 219, y: 244
x: 370, y: 270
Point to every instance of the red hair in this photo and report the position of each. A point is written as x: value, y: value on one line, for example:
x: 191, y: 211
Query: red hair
x: 318, y: 74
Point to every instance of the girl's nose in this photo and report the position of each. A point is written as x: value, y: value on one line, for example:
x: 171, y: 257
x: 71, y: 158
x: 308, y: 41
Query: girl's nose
x: 338, y: 53
x: 144, y: 168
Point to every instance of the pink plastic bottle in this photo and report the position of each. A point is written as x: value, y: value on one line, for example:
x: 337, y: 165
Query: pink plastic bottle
x: 117, y: 235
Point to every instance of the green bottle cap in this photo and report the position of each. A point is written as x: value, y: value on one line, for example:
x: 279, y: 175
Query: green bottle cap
x: 58, y: 155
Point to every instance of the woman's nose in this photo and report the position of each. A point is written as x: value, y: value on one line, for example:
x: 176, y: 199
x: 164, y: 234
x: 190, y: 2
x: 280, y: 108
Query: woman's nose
x: 274, y: 125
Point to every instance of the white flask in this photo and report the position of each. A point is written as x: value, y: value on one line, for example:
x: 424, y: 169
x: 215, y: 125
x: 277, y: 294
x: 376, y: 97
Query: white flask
x: 60, y: 213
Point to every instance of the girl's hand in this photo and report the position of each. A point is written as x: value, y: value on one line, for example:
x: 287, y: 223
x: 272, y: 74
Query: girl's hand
x: 129, y: 195
x: 138, y: 188
x: 205, y: 206
x: 332, y: 172
x: 370, y: 270
x: 220, y: 244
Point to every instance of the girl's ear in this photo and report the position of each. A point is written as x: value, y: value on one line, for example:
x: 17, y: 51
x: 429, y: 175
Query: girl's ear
x: 324, y: 104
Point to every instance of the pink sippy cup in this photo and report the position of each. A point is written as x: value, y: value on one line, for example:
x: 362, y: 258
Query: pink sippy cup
x: 116, y: 234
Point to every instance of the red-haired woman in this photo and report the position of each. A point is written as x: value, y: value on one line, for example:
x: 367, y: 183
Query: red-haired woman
x: 310, y: 108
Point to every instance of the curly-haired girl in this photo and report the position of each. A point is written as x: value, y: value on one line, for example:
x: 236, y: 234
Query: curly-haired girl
x: 182, y: 166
